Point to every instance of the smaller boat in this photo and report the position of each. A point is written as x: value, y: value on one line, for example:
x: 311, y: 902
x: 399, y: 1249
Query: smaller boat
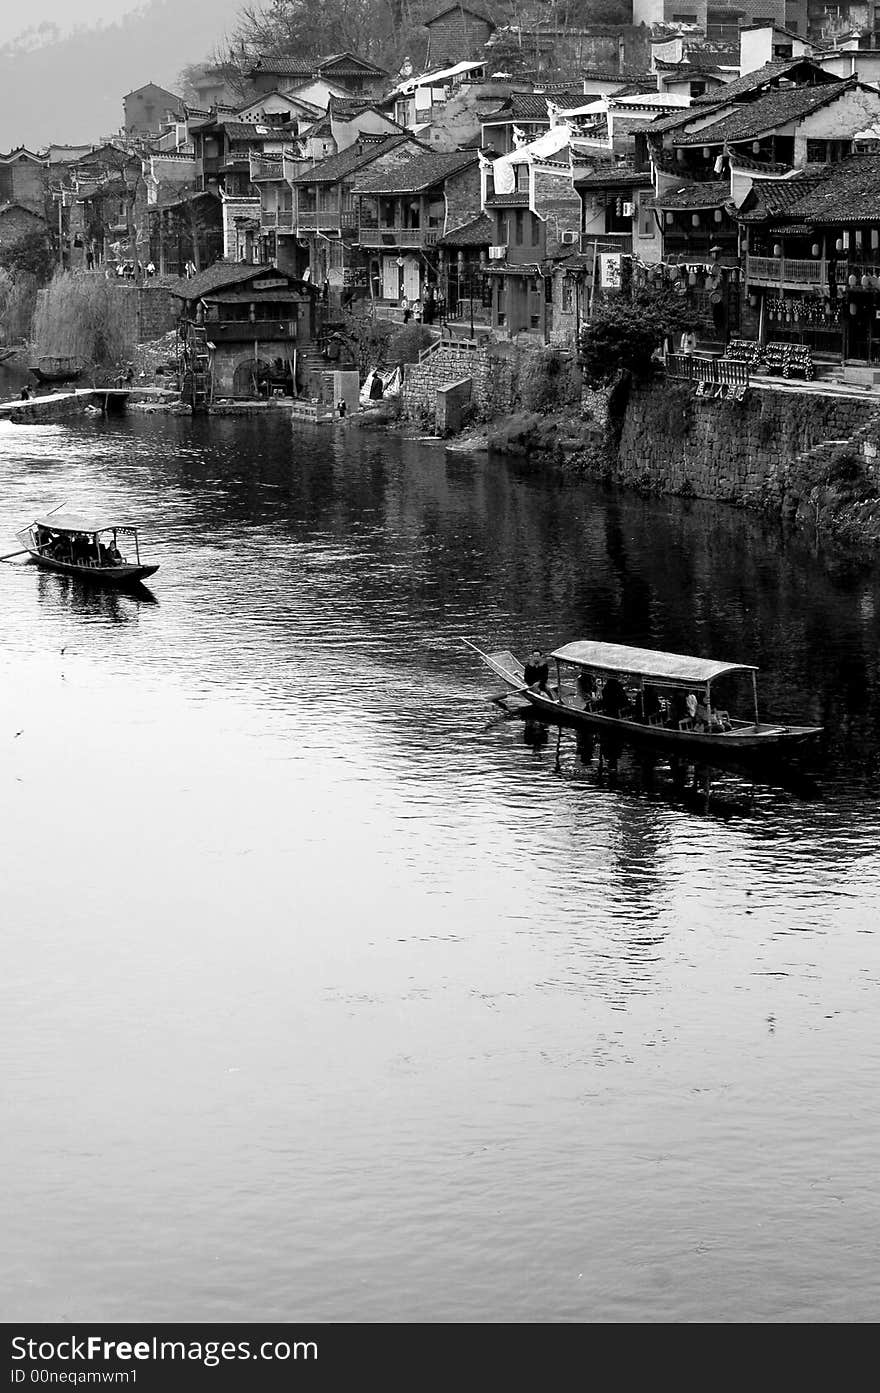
x: 80, y: 546
x: 647, y: 697
x: 57, y: 369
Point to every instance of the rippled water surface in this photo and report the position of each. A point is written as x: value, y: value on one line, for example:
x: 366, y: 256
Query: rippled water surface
x: 326, y: 995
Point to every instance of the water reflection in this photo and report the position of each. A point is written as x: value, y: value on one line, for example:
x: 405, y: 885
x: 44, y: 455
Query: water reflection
x: 367, y: 907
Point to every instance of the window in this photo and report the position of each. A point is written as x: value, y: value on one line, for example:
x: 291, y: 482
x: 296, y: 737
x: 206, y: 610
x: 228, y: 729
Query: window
x: 535, y: 229
x: 647, y: 224
x: 691, y: 19
x: 817, y: 151
x: 518, y: 228
x: 567, y: 295
x: 521, y: 178
x: 697, y: 89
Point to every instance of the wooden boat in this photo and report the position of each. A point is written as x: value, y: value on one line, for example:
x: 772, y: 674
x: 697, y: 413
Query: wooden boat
x: 79, y: 546
x: 55, y: 369
x: 655, y: 688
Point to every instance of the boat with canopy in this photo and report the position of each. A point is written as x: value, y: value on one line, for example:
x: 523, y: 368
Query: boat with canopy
x: 665, y: 699
x: 103, y: 551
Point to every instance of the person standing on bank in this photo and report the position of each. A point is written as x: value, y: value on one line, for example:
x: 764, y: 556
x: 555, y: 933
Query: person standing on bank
x: 688, y: 344
x: 537, y: 671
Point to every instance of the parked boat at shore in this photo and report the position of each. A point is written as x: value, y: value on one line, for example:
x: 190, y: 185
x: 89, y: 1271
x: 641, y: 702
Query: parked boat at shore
x: 57, y: 369
x: 661, y: 699
x: 84, y: 547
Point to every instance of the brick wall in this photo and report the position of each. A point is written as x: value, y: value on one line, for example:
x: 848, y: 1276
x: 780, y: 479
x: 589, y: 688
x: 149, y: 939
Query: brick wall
x: 456, y: 36
x: 462, y: 192
x: 559, y: 205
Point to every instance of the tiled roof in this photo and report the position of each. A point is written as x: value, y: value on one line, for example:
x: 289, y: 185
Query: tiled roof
x: 710, y: 195
x: 249, y: 130
x: 772, y: 198
x: 605, y: 174
x: 532, y: 106
x: 283, y: 67
x: 767, y: 114
x: 661, y: 124
x: 447, y: 9
x: 478, y: 233
x: 221, y: 274
x: 751, y: 83
x: 349, y: 63
x: 847, y: 192
x: 417, y: 174
x: 349, y: 161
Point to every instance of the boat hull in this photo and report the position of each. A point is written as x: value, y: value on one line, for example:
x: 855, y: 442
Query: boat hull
x: 739, y: 743
x: 102, y: 575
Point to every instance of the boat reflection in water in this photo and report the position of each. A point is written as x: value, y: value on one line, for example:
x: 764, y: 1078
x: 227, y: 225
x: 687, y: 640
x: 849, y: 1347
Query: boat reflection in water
x: 724, y: 790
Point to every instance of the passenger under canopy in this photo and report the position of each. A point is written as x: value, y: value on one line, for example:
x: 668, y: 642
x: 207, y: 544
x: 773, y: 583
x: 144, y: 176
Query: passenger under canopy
x: 674, y: 669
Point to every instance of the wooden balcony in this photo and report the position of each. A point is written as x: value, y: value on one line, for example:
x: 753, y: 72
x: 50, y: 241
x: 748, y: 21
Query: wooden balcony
x: 398, y: 236
x: 280, y: 218
x: 795, y: 273
x: 226, y: 331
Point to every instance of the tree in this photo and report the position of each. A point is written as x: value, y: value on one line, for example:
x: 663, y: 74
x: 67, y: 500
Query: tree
x: 623, y: 333
x: 30, y: 255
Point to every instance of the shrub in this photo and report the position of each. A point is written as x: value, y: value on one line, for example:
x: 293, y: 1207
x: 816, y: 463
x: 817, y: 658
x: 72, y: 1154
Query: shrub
x: 624, y: 333
x: 549, y: 381
x: 408, y: 342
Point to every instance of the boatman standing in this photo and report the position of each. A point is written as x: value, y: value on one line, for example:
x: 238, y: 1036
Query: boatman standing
x: 537, y: 671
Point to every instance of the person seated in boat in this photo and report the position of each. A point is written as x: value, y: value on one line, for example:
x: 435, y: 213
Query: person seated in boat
x: 614, y: 698
x: 113, y: 554
x: 586, y: 689
x: 537, y: 672
x: 702, y: 715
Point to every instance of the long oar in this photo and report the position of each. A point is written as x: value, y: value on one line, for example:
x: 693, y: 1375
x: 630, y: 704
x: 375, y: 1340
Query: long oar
x: 9, y: 555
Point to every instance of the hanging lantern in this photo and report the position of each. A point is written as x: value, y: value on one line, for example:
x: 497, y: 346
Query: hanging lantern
x: 695, y: 219
x: 706, y: 152
x: 866, y: 282
x: 814, y: 249
x: 753, y: 301
x: 756, y: 147
x: 838, y: 245
x: 777, y: 248
x: 670, y: 218
x: 718, y: 215
x: 852, y: 307
x: 875, y: 239
x: 851, y: 282
x: 692, y: 278
x: 828, y: 310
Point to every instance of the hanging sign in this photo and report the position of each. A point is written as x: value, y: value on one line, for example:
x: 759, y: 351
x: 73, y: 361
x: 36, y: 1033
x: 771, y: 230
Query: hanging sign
x: 609, y: 270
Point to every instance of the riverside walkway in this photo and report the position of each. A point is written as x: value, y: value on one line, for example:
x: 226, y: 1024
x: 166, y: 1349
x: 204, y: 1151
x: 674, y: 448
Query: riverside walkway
x: 54, y: 406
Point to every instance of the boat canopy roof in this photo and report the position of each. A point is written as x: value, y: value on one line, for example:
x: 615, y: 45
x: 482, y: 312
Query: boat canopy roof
x: 74, y: 522
x: 672, y: 668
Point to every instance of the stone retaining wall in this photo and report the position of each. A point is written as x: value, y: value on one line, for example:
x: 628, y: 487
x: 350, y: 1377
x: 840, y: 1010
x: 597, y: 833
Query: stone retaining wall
x: 745, y: 452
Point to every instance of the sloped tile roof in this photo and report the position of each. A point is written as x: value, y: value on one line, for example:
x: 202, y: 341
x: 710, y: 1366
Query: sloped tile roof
x: 421, y: 172
x: 222, y: 273
x: 349, y: 161
x: 767, y: 114
x: 532, y: 106
x: 478, y: 233
x: 447, y: 9
x: 772, y: 198
x: 605, y: 174
x: 709, y: 195
x: 661, y: 124
x: 848, y: 192
x: 752, y: 82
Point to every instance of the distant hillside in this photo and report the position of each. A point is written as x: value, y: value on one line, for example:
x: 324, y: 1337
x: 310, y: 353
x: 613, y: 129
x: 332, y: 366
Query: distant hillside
x: 71, y: 89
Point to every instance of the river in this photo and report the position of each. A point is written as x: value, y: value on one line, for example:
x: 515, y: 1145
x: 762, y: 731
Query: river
x: 329, y: 995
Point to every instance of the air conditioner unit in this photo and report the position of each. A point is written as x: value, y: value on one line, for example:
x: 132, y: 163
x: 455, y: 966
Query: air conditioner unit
x: 498, y: 253
x: 568, y: 238
x: 627, y: 210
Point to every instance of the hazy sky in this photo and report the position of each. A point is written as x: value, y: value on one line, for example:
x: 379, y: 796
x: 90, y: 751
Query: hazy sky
x: 71, y: 90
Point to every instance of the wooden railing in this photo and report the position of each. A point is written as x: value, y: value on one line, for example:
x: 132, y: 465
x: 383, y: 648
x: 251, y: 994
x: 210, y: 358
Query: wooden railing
x: 398, y: 236
x: 716, y: 372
